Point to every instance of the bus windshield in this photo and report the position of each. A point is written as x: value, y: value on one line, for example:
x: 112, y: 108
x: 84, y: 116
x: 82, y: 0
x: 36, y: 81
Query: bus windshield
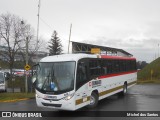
x: 55, y: 76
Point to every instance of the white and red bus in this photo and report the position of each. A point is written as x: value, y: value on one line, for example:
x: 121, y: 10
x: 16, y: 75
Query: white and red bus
x: 72, y: 81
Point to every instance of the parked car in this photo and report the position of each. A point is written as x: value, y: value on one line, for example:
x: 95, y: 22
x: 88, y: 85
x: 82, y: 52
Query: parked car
x: 18, y: 72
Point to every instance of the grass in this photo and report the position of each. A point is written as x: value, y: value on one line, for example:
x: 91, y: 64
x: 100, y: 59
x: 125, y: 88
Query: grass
x: 13, y: 97
x: 145, y: 74
x: 148, y: 81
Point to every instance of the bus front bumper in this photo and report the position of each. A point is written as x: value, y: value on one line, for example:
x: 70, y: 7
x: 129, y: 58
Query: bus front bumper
x: 60, y: 104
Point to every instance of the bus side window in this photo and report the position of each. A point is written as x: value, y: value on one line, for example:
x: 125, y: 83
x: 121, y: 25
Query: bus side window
x: 104, y: 68
x: 109, y: 65
x: 81, y: 72
x: 81, y: 77
x: 96, y: 68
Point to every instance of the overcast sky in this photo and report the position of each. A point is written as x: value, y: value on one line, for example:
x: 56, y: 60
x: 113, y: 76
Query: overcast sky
x: 132, y: 25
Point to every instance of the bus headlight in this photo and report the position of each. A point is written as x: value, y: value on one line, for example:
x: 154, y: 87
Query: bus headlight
x: 68, y: 97
x: 38, y: 96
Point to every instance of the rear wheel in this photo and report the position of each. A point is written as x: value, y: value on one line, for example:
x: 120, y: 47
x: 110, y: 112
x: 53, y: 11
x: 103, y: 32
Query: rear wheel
x: 124, y: 92
x: 93, y: 100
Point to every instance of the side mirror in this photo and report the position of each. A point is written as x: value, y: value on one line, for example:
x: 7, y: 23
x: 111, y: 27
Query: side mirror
x: 34, y: 72
x: 33, y: 79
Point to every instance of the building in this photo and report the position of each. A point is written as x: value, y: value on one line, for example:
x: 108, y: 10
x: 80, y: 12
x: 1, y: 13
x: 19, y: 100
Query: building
x: 78, y: 47
x: 18, y: 56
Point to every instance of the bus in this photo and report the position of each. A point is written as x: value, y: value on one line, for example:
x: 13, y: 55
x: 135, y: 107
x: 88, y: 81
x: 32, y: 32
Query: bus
x: 2, y: 82
x: 72, y: 81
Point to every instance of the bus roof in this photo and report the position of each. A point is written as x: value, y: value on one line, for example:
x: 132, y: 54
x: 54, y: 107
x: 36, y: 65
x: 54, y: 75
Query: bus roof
x: 67, y: 57
x: 76, y: 57
x: 118, y: 57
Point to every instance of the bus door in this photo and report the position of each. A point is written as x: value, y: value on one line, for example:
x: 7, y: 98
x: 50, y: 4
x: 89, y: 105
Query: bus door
x: 82, y: 91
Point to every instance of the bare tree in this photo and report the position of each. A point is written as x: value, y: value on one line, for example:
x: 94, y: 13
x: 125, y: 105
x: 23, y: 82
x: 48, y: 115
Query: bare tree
x: 13, y: 35
x: 55, y: 46
x: 29, y: 36
x: 31, y: 50
x: 10, y: 32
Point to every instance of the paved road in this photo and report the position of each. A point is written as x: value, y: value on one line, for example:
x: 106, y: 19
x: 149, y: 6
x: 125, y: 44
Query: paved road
x: 139, y: 98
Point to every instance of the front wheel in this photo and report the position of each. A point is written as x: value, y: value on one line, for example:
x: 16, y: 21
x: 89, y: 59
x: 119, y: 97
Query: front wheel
x: 93, y: 100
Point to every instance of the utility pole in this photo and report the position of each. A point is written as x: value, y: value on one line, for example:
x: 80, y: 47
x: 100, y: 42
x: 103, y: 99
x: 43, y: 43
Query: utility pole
x: 37, y: 32
x: 69, y: 37
x: 26, y: 75
x: 26, y: 80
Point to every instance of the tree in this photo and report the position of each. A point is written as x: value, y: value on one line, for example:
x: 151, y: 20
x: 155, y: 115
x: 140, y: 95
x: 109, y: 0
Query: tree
x: 55, y: 46
x: 32, y: 41
x: 13, y: 34
x: 141, y: 64
x: 10, y: 33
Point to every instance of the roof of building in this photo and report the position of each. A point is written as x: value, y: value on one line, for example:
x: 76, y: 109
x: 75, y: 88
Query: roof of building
x: 86, y: 48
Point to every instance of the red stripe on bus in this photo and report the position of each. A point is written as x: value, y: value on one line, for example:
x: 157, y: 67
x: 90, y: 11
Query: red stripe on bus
x: 116, y: 74
x: 117, y: 57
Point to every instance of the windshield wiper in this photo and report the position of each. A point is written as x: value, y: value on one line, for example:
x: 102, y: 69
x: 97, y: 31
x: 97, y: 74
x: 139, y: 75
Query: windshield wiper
x: 52, y: 81
x: 47, y: 79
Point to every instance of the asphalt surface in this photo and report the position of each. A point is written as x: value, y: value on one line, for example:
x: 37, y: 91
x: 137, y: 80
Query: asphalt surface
x: 139, y: 98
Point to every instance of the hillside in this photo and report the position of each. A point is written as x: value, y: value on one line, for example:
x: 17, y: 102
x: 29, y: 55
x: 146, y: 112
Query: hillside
x: 145, y: 73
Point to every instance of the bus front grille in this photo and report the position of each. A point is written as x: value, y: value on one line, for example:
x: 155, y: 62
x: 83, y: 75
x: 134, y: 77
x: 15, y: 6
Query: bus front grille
x: 53, y: 105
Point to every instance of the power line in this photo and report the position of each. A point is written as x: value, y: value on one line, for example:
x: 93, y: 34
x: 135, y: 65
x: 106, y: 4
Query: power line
x: 46, y: 23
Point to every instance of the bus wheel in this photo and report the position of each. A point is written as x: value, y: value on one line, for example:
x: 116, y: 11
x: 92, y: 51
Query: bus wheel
x: 124, y: 92
x: 93, y: 100
x: 125, y: 89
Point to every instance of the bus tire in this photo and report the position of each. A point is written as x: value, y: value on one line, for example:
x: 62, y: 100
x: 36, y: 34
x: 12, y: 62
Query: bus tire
x: 124, y: 92
x: 93, y: 100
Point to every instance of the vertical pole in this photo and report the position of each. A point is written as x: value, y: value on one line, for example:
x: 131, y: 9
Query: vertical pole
x: 158, y: 50
x: 0, y: 40
x: 37, y: 32
x: 69, y: 37
x: 26, y: 80
x: 26, y: 77
x: 0, y: 45
x: 151, y: 75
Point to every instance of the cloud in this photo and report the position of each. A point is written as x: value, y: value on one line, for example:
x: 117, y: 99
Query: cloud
x: 153, y: 30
